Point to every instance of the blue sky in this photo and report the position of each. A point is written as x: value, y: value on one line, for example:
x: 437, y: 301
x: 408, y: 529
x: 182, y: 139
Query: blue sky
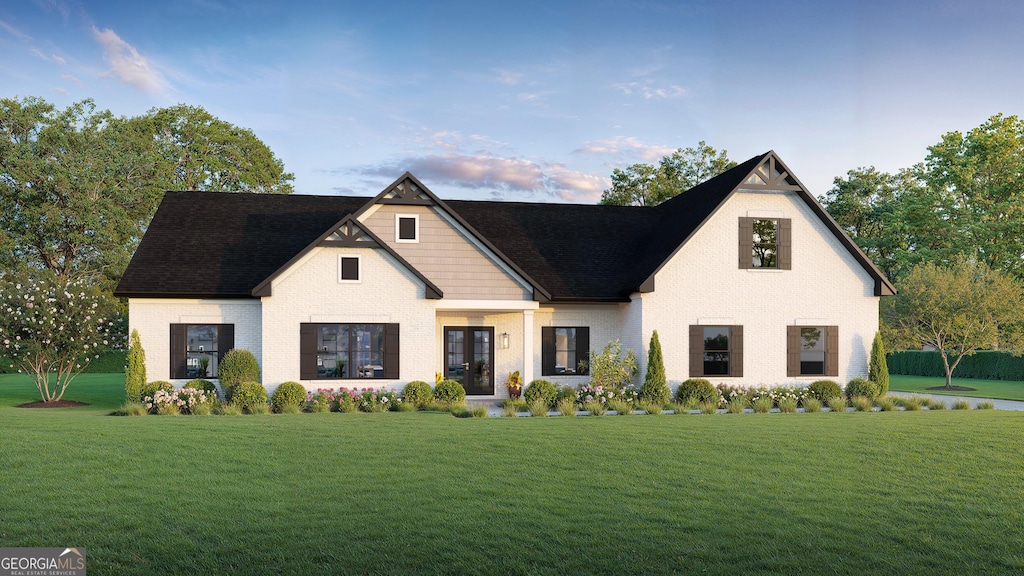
x: 534, y: 101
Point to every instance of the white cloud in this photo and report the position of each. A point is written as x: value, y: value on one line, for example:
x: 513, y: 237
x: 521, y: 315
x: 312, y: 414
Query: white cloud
x: 509, y: 78
x: 127, y: 65
x: 625, y: 146
x: 14, y: 31
x: 72, y: 79
x: 39, y: 54
x: 58, y: 59
x: 649, y: 92
x: 60, y: 90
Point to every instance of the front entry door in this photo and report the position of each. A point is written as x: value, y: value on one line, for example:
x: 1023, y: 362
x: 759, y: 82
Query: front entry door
x: 469, y: 358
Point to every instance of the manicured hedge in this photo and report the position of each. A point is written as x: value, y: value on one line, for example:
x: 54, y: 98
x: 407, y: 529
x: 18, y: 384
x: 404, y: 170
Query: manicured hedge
x: 984, y: 364
x: 109, y: 362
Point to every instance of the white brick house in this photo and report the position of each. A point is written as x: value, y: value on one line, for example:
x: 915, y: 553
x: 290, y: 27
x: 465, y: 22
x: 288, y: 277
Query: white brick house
x: 745, y: 277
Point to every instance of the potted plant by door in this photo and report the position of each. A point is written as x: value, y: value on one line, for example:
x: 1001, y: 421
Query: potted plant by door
x: 515, y: 384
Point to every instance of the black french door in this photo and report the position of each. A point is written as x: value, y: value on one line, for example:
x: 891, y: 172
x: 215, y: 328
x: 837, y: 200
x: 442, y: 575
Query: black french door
x: 469, y: 358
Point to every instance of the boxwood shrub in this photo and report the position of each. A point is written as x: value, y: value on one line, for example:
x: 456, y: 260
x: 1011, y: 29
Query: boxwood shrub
x: 204, y: 385
x: 861, y: 387
x: 237, y: 366
x: 288, y: 394
x: 150, y: 388
x: 541, y: 390
x: 417, y: 393
x: 697, y: 389
x: 248, y: 395
x: 449, y: 392
x: 822, y: 390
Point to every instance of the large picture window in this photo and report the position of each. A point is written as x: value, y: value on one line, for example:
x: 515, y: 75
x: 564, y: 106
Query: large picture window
x: 716, y: 351
x: 196, y: 349
x: 344, y: 351
x: 565, y: 351
x: 812, y: 350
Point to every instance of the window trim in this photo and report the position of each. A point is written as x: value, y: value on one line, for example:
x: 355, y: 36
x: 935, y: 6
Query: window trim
x: 549, y: 351
x: 416, y: 229
x: 309, y: 351
x: 359, y: 268
x: 697, y: 350
x: 794, y: 347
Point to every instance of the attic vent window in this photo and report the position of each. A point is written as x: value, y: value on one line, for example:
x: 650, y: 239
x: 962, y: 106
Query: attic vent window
x: 407, y: 228
x: 348, y: 269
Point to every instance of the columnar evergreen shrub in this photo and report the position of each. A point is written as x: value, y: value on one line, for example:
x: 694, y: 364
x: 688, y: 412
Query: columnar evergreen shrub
x: 861, y: 387
x: 288, y: 394
x: 449, y: 392
x: 541, y: 390
x: 697, y: 389
x: 822, y: 390
x: 237, y: 366
x: 135, y: 372
x: 655, y: 389
x: 417, y: 393
x: 878, y: 369
x: 249, y: 396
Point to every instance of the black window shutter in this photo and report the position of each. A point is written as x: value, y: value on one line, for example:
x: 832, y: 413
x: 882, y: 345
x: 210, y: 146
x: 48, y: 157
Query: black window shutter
x: 391, y: 351
x: 583, y: 348
x: 832, y: 350
x: 785, y: 244
x: 736, y: 351
x: 307, y: 352
x: 547, y: 351
x: 696, y: 351
x: 225, y: 339
x: 746, y: 246
x: 179, y: 335
x: 792, y: 351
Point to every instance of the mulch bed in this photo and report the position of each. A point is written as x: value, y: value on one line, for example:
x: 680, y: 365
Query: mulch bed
x: 55, y: 404
x: 957, y: 388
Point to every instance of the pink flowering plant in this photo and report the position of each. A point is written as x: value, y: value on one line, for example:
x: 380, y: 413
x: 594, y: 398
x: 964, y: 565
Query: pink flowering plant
x: 319, y: 401
x: 754, y: 393
x: 378, y: 400
x: 346, y: 400
x: 51, y: 328
x: 183, y: 401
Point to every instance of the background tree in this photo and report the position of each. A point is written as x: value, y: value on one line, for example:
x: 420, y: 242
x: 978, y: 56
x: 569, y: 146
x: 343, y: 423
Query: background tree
x: 956, y: 309
x: 52, y: 326
x: 655, y: 388
x: 647, y: 185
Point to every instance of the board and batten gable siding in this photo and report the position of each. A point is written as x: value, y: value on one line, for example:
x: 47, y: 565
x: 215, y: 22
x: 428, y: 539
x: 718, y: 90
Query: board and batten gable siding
x: 446, y: 256
x: 152, y: 317
x: 703, y: 285
x: 309, y: 292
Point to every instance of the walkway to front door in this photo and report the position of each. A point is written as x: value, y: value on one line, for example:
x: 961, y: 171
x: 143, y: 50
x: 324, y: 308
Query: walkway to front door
x: 469, y: 357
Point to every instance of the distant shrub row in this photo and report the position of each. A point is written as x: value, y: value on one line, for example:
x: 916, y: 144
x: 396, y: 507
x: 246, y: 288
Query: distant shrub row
x: 985, y: 364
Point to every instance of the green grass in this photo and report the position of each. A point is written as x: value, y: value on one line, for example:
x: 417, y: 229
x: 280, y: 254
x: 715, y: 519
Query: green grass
x: 867, y: 493
x: 1000, y: 389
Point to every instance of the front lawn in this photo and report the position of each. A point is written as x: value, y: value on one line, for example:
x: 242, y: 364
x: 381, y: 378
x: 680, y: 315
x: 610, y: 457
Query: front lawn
x: 1001, y: 389
x: 850, y: 493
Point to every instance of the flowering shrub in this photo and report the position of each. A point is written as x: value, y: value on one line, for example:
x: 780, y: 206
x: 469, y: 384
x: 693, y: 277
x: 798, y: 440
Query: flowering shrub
x: 595, y: 393
x: 319, y: 401
x: 52, y: 325
x: 184, y: 401
x: 378, y: 400
x: 754, y: 393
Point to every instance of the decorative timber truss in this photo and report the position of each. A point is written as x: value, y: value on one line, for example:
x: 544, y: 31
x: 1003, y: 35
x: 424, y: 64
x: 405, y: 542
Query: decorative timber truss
x: 770, y: 176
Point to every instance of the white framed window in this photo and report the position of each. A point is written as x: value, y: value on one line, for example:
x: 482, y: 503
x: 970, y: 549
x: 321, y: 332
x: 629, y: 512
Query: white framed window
x: 407, y: 228
x: 350, y: 268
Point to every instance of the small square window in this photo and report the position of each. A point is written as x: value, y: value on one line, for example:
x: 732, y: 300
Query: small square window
x: 407, y: 228
x: 348, y: 269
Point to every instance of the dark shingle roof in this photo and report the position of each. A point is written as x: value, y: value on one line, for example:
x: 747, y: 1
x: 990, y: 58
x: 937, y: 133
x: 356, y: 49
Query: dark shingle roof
x: 203, y: 244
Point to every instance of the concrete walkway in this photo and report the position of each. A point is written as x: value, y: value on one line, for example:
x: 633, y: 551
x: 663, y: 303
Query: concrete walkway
x: 999, y: 404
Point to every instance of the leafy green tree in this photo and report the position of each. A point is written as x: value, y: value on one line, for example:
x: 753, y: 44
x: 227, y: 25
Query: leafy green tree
x: 878, y: 368
x: 135, y: 372
x: 79, y: 186
x: 655, y: 388
x: 979, y: 179
x: 201, y: 152
x: 609, y: 368
x: 957, y: 309
x: 647, y: 185
x: 52, y: 326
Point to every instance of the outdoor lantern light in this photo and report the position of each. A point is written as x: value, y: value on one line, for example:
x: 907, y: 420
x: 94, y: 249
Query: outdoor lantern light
x: 504, y: 340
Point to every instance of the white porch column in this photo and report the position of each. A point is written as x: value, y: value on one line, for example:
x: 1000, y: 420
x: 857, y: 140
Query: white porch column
x: 527, y: 347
